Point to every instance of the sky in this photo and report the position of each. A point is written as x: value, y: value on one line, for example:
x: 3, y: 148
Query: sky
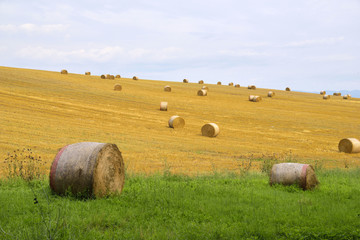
x: 307, y: 45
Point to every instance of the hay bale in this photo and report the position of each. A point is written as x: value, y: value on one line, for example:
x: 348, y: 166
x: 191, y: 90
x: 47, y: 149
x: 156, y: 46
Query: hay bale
x: 347, y: 96
x: 103, y: 76
x: 326, y: 97
x: 210, y: 130
x: 201, y: 82
x: 251, y: 97
x: 254, y: 98
x: 64, y: 71
x: 205, y: 88
x: 185, y: 81
x: 349, y: 145
x: 237, y: 85
x: 176, y: 122
x: 231, y: 84
x: 322, y: 92
x: 88, y: 168
x: 252, y: 87
x: 87, y: 73
x: 218, y: 83
x: 167, y: 88
x: 111, y: 77
x: 135, y: 78
x: 107, y: 76
x: 163, y: 106
x: 337, y: 94
x: 271, y: 94
x: 117, y: 87
x: 287, y: 89
x: 118, y: 76
x: 302, y: 175
x: 202, y: 92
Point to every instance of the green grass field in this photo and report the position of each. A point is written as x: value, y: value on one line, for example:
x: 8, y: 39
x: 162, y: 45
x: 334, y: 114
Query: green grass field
x: 166, y: 206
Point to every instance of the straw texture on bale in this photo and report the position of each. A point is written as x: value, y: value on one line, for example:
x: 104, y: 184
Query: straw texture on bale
x: 231, y: 84
x: 176, y: 122
x: 163, y: 106
x: 237, y: 85
x: 103, y: 76
x: 271, y: 94
x: 210, y: 130
x: 218, y: 83
x: 64, y: 71
x: 185, y: 81
x: 202, y: 92
x: 117, y: 87
x: 349, y: 145
x: 118, y: 76
x: 167, y: 88
x: 88, y: 168
x: 337, y: 94
x: 87, y: 73
x: 205, y: 88
x: 323, y: 92
x: 326, y: 97
x: 135, y: 78
x: 287, y: 89
x: 302, y: 175
x: 111, y: 77
x: 254, y: 98
x: 252, y: 87
x: 107, y: 76
x: 201, y: 82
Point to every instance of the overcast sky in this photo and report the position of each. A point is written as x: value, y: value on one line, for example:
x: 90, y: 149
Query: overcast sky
x: 307, y: 45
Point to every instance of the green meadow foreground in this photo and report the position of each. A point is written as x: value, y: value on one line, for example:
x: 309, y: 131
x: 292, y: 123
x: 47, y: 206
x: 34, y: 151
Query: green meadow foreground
x: 215, y: 206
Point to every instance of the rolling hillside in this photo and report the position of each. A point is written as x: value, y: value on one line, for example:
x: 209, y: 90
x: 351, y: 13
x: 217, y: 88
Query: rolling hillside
x: 45, y: 110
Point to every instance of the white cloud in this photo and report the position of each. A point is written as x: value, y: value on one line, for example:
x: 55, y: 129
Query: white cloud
x: 30, y: 27
x: 332, y: 58
x: 312, y: 42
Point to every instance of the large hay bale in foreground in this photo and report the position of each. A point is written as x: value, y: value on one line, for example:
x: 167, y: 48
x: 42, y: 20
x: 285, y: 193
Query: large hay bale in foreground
x: 231, y: 84
x: 64, y: 71
x: 237, y: 85
x: 218, y: 83
x: 163, y: 106
x: 87, y: 73
x: 176, y: 122
x: 118, y: 76
x: 326, y: 97
x: 202, y: 92
x: 210, y: 130
x: 102, y: 76
x: 349, y: 145
x: 167, y: 88
x: 88, y: 168
x: 271, y: 94
x: 117, y: 87
x: 252, y: 87
x: 302, y: 175
x: 201, y: 82
x: 185, y: 81
x: 322, y: 92
x: 135, y: 78
x: 254, y: 98
x: 287, y: 89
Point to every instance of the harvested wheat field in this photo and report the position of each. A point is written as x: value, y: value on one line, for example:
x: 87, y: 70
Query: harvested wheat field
x: 45, y: 111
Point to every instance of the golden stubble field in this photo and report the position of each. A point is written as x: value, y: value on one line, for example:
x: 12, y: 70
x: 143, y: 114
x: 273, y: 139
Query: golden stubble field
x: 45, y: 110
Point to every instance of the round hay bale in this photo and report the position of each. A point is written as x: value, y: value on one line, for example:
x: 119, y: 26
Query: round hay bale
x: 107, y: 76
x: 271, y: 94
x: 163, y: 106
x: 176, y: 122
x: 231, y: 84
x: 89, y: 169
x: 251, y: 97
x: 167, y: 88
x: 349, y: 96
x: 257, y: 99
x: 326, y: 97
x: 103, y: 76
x: 111, y: 77
x: 287, y: 89
x: 218, y: 83
x: 87, y: 73
x: 135, y: 78
x: 210, y: 130
x: 117, y: 87
x: 349, y: 145
x: 201, y: 82
x: 237, y: 85
x: 205, y: 88
x: 322, y: 92
x: 202, y: 92
x: 302, y: 175
x: 252, y: 87
x: 118, y: 76
x: 337, y: 94
x: 345, y: 97
x: 185, y: 81
x: 64, y: 71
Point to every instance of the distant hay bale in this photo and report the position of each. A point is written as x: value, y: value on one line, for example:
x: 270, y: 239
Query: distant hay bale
x: 326, y: 97
x: 210, y: 130
x: 163, y: 106
x: 201, y: 82
x: 87, y: 73
x: 349, y: 145
x: 64, y: 71
x: 111, y: 77
x: 252, y: 87
x: 202, y: 92
x: 117, y: 87
x: 107, y: 76
x: 205, y: 88
x: 237, y: 85
x: 271, y: 94
x: 287, y: 89
x: 176, y: 122
x: 299, y: 174
x: 347, y: 96
x: 218, y: 83
x: 323, y: 92
x: 135, y: 78
x: 337, y: 94
x: 185, y: 80
x: 167, y: 88
x: 118, y: 76
x: 254, y: 98
x: 103, y: 76
x: 231, y: 84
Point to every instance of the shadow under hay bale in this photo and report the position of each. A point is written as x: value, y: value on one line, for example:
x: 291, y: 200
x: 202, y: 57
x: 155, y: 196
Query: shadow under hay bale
x: 64, y: 71
x: 271, y: 94
x: 185, y: 81
x: 135, y: 78
x: 326, y: 97
x: 88, y: 169
x: 88, y: 73
x: 252, y: 87
x: 102, y: 76
x: 176, y: 122
x: 299, y: 174
x: 231, y: 84
x: 167, y: 88
x: 218, y: 83
x: 237, y: 85
x: 287, y: 89
x: 349, y: 145
x: 118, y: 76
x: 117, y: 87
x: 210, y: 130
x: 323, y: 92
x: 202, y: 92
x: 163, y: 106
